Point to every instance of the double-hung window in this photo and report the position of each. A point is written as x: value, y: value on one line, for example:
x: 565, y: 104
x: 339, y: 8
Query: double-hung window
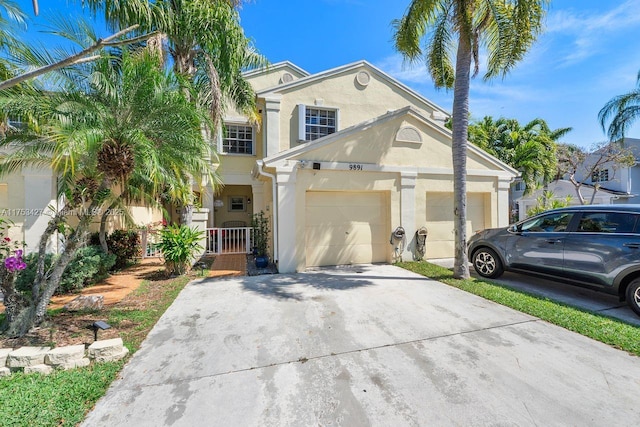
x: 316, y: 122
x: 237, y: 139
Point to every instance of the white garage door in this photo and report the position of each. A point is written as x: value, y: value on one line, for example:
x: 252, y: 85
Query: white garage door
x: 440, y: 240
x: 346, y: 228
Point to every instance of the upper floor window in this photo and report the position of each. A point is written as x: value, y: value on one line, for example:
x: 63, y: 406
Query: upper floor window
x: 237, y: 139
x: 600, y: 175
x: 317, y: 122
x: 519, y: 186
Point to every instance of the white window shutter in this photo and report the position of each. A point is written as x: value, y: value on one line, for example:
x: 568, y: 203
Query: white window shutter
x: 302, y: 128
x: 337, y: 120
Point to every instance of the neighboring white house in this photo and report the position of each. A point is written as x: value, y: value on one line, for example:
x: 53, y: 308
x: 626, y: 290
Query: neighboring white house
x: 563, y: 188
x: 341, y: 159
x: 624, y: 180
x: 615, y: 184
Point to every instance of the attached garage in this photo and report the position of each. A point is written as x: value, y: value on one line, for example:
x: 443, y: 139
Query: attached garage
x: 439, y: 220
x: 338, y: 198
x: 346, y: 227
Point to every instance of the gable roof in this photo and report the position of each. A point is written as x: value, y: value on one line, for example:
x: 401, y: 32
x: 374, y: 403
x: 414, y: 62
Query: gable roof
x: 563, y: 187
x: 284, y: 65
x: 344, y: 69
x: 410, y: 111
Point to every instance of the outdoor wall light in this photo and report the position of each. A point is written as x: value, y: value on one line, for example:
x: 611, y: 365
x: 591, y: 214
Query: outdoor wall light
x: 98, y: 325
x: 248, y: 200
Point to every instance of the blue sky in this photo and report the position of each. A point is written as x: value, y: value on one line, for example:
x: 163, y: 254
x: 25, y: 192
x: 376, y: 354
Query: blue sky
x: 587, y: 54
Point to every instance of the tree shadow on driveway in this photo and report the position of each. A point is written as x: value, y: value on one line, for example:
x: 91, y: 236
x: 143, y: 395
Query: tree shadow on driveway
x: 288, y: 286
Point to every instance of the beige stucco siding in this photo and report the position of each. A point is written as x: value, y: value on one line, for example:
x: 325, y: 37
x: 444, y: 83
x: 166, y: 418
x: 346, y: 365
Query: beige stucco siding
x: 271, y: 77
x: 236, y: 169
x: 356, y: 104
x: 378, y: 145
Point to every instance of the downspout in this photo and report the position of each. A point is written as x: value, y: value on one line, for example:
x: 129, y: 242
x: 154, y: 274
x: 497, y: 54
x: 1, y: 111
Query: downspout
x: 275, y: 208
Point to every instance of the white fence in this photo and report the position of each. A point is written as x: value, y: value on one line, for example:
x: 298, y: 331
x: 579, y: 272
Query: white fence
x: 149, y: 242
x: 236, y: 240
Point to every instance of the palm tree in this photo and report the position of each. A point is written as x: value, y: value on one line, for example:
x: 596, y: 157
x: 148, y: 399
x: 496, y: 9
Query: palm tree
x: 622, y: 111
x: 115, y: 120
x: 531, y: 148
x: 207, y: 45
x: 504, y: 28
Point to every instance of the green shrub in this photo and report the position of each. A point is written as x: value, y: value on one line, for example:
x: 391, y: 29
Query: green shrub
x: 125, y: 245
x: 179, y: 245
x: 90, y: 265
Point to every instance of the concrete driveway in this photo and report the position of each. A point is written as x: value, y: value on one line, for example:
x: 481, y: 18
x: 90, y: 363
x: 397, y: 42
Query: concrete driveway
x: 369, y: 345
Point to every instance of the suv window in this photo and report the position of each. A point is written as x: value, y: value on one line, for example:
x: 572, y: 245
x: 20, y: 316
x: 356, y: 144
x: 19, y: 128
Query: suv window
x: 607, y: 222
x: 556, y: 222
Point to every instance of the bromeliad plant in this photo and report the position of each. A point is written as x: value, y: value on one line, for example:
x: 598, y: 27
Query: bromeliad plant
x: 179, y: 245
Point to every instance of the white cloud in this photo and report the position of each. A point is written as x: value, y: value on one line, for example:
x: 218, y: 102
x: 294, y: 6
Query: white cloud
x: 591, y: 31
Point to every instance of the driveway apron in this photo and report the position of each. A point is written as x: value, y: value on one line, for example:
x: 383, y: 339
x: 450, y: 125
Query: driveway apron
x: 366, y: 345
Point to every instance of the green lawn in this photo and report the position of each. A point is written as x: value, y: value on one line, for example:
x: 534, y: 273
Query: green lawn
x: 64, y: 397
x: 602, y: 328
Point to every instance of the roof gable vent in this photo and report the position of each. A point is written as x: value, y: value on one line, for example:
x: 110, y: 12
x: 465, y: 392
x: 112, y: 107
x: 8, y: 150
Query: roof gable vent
x: 286, y: 78
x: 409, y: 134
x: 363, y: 78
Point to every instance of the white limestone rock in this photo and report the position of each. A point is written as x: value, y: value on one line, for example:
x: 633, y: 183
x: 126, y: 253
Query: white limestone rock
x: 72, y: 364
x: 85, y: 302
x: 107, y: 350
x: 27, y: 356
x: 64, y: 355
x: 4, y: 371
x: 41, y: 369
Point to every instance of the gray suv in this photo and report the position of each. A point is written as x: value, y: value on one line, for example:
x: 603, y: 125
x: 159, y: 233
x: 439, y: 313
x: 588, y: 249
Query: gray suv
x: 595, y: 246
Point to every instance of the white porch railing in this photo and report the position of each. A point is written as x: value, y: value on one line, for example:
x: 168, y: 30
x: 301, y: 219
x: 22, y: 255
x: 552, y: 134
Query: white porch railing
x: 149, y: 242
x: 236, y: 240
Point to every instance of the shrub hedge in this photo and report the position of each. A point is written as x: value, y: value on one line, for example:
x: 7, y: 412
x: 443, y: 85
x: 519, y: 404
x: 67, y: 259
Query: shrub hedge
x: 90, y: 265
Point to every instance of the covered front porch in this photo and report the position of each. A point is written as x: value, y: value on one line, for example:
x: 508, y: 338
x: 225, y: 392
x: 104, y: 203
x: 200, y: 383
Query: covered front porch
x: 230, y: 213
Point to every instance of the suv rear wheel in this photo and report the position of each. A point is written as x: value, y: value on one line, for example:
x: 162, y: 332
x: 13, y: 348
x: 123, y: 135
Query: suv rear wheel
x: 487, y: 263
x: 633, y: 296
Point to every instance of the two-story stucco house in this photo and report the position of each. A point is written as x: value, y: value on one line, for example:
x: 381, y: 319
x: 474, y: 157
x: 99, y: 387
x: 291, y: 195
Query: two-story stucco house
x: 341, y: 159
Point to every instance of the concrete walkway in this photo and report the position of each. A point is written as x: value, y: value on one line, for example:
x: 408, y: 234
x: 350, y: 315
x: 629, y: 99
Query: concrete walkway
x: 371, y: 345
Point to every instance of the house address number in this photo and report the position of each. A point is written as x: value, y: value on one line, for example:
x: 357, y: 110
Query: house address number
x: 355, y: 167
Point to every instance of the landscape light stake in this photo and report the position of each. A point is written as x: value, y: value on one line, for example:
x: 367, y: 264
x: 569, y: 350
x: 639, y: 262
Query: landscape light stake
x: 98, y: 325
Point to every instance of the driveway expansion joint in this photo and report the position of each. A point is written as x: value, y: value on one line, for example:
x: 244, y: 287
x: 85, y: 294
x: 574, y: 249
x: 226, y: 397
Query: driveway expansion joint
x: 304, y: 359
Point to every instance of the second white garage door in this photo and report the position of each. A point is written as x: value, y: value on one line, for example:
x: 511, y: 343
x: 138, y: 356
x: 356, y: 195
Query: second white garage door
x: 439, y: 221
x: 346, y: 228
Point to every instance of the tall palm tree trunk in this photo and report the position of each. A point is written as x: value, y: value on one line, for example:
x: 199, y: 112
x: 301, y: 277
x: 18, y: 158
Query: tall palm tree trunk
x: 460, y: 122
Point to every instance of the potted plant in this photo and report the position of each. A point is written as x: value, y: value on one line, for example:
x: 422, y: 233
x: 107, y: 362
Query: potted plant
x: 260, y: 225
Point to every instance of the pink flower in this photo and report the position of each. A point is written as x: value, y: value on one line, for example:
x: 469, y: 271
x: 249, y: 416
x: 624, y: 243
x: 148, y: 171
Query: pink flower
x: 6, y: 239
x: 15, y: 263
